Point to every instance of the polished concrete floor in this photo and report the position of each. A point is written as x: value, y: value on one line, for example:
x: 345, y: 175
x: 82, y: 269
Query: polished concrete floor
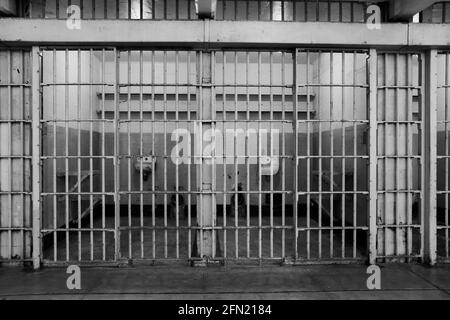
x: 290, y: 282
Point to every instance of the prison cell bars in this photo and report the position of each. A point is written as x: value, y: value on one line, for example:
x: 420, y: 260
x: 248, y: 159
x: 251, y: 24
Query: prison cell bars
x: 77, y: 189
x: 127, y: 10
x: 164, y: 157
x: 308, y: 193
x: 290, y: 10
x: 15, y: 226
x: 258, y: 98
x: 398, y: 229
x: 231, y: 72
x: 269, y: 10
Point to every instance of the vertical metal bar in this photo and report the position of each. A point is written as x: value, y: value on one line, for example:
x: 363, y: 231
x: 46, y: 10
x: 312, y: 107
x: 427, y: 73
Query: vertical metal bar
x: 236, y: 159
x: 447, y: 151
x: 129, y: 124
x: 373, y: 128
x: 409, y: 150
x: 259, y: 160
x: 103, y: 159
x: 398, y: 240
x: 55, y: 189
x: 141, y: 146
x: 23, y: 151
x: 430, y: 221
x: 153, y: 150
x: 343, y: 127
x: 331, y: 155
x: 177, y: 106
x: 225, y: 161
x: 165, y: 146
x: 91, y: 153
x: 295, y: 111
x: 247, y: 153
x: 283, y: 161
x: 308, y: 159
x: 117, y: 251
x: 271, y: 146
x: 79, y: 149
x: 355, y: 149
x: 320, y: 156
x: 67, y: 176
x: 10, y: 149
x: 10, y: 153
x: 385, y: 142
x: 36, y: 168
x: 213, y: 154
x: 188, y: 68
x: 206, y: 176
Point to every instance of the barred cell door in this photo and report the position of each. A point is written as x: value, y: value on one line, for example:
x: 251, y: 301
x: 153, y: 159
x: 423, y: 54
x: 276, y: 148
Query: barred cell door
x: 117, y: 184
x: 80, y: 211
x: 332, y: 140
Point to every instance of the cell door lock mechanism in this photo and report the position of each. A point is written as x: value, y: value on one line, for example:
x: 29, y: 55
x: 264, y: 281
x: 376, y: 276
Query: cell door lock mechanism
x: 145, y: 165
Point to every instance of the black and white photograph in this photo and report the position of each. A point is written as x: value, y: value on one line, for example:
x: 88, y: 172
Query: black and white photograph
x: 244, y: 151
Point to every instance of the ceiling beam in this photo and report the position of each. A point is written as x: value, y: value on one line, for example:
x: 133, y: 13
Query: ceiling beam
x: 404, y: 10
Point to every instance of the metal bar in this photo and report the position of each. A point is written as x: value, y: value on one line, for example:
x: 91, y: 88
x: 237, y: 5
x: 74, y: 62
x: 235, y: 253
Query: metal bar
x: 177, y: 206
x: 165, y: 143
x: 141, y: 146
x: 67, y: 176
x: 373, y: 162
x: 308, y: 157
x: 79, y: 150
x: 10, y: 142
x: 271, y: 155
x: 247, y: 152
x: 332, y: 154
x: 447, y: 151
x: 398, y: 239
x: 116, y: 137
x: 235, y: 159
x: 259, y: 161
x: 129, y: 124
x: 153, y: 149
x: 343, y: 198
x: 224, y: 114
x: 189, y: 188
x: 296, y: 150
x: 103, y: 147
x: 409, y: 151
x: 320, y: 187
x: 355, y: 148
x: 91, y: 161
x: 430, y: 220
x: 36, y: 168
x: 283, y: 152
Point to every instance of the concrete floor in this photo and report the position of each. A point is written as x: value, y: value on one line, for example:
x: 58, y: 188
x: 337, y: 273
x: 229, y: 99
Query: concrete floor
x: 297, y: 282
